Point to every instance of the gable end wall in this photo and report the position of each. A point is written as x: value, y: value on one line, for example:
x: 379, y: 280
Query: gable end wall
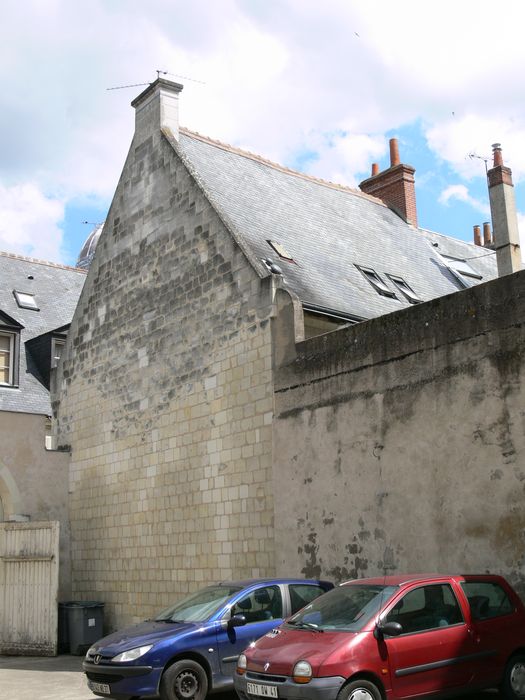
x: 166, y: 399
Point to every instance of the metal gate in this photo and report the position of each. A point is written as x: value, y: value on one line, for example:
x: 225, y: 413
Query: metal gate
x: 28, y: 588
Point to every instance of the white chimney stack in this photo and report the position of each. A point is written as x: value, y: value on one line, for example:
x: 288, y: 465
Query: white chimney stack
x: 505, y: 233
x: 157, y: 107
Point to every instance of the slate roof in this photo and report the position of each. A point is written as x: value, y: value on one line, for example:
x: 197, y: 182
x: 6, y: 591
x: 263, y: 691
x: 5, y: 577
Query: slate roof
x: 56, y: 289
x: 328, y: 229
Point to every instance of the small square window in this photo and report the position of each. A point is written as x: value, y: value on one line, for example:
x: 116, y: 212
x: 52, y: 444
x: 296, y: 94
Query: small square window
x: 25, y: 300
x: 405, y: 290
x: 467, y: 276
x: 280, y: 250
x: 376, y: 281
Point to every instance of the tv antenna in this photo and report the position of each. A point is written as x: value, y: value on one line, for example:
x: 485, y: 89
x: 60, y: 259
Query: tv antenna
x: 159, y: 73
x: 485, y: 159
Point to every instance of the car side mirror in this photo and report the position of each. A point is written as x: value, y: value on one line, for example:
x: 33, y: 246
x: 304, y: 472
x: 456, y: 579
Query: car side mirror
x: 237, y: 621
x: 391, y: 629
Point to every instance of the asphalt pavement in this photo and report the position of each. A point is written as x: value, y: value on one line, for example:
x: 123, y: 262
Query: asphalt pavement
x: 61, y: 678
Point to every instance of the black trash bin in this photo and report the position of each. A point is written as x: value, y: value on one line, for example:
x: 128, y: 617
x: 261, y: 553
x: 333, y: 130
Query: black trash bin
x: 81, y: 623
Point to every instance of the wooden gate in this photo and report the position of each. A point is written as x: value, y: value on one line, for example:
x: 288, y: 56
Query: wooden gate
x: 28, y: 588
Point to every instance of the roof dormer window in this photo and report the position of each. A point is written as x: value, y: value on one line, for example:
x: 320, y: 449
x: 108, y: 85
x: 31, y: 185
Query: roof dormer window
x: 405, y: 290
x: 25, y: 300
x: 7, y: 358
x: 376, y: 281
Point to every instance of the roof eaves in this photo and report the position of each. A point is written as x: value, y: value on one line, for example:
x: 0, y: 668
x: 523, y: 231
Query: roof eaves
x: 254, y: 261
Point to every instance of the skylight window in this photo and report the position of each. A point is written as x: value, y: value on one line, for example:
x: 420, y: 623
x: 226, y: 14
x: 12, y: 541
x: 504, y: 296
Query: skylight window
x: 280, y: 250
x: 25, y: 300
x: 405, y: 290
x: 462, y: 271
x: 376, y: 281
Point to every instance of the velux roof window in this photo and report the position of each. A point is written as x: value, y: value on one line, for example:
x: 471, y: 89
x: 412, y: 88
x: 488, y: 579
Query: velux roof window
x: 376, y: 281
x: 462, y: 271
x: 405, y: 290
x: 25, y: 300
x: 280, y: 250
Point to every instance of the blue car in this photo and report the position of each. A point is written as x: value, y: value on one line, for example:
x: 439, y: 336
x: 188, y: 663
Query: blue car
x: 191, y: 648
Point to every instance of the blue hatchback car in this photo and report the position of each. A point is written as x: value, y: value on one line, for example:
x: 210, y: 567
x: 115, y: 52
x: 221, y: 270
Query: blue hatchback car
x: 191, y: 648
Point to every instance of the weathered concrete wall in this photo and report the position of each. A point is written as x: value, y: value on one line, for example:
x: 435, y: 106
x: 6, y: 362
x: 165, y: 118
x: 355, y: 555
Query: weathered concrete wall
x: 399, y: 442
x: 166, y: 398
x: 34, y: 481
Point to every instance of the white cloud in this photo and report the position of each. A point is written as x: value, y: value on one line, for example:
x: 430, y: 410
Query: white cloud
x: 29, y: 222
x: 461, y: 194
x: 280, y: 77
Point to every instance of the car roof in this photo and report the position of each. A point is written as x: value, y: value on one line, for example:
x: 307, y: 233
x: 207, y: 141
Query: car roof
x: 245, y: 583
x: 400, y: 579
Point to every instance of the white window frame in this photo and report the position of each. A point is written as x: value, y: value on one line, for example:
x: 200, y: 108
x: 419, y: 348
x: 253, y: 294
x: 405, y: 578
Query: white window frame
x: 26, y: 300
x: 404, y: 288
x: 11, y: 351
x: 376, y: 281
x: 55, y: 342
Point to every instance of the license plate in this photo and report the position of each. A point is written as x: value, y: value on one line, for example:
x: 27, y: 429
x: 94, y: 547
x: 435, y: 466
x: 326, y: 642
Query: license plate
x: 266, y: 691
x: 99, y: 687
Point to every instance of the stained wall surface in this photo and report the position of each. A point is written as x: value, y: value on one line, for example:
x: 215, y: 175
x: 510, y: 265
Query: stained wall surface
x: 399, y: 443
x: 165, y: 399
x: 34, y: 481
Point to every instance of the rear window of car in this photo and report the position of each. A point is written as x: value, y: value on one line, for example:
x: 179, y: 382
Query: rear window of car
x: 487, y: 599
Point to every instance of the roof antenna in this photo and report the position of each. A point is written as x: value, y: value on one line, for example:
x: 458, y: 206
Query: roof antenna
x: 483, y: 158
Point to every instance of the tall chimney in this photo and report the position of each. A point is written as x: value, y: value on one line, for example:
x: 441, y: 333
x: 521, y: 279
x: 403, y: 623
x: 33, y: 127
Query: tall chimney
x: 487, y: 235
x: 504, y: 218
x: 477, y: 235
x: 395, y: 186
x: 156, y: 108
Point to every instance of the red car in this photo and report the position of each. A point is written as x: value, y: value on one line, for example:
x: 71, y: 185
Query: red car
x: 391, y: 638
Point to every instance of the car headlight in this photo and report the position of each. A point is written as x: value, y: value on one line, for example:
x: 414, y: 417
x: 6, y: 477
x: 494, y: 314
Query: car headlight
x: 302, y: 672
x: 131, y: 654
x: 241, y: 664
x: 91, y: 651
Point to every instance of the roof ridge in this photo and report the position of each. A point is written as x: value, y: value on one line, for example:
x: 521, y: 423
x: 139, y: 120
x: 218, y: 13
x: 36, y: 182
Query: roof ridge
x: 278, y: 166
x: 25, y: 258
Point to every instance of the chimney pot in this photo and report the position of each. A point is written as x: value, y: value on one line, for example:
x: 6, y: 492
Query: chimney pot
x: 394, y: 153
x: 498, y: 156
x: 375, y: 169
x: 477, y: 235
x: 487, y: 236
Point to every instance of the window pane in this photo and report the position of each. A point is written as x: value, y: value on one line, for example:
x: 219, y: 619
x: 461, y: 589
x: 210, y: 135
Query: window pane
x: 262, y: 604
x: 5, y: 358
x: 425, y: 608
x: 302, y: 594
x: 487, y: 599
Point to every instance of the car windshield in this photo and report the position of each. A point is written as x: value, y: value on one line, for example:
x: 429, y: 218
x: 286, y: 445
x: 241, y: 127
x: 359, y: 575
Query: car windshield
x: 346, y: 608
x: 198, y: 606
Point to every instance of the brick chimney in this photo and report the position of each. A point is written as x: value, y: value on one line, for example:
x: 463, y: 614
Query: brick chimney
x: 504, y: 218
x: 487, y: 235
x: 157, y: 107
x: 477, y: 235
x: 395, y: 186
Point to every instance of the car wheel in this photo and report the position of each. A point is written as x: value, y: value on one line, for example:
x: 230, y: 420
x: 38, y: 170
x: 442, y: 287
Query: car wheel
x: 360, y: 690
x: 513, y: 686
x: 184, y: 680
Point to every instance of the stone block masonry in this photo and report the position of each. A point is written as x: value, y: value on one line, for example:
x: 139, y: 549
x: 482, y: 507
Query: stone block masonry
x: 166, y: 399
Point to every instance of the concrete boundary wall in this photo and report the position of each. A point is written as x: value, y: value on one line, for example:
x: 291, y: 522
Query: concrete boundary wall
x: 401, y: 441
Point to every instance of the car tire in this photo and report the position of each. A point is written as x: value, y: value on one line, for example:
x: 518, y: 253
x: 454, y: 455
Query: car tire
x: 513, y: 684
x: 360, y: 690
x: 184, y: 680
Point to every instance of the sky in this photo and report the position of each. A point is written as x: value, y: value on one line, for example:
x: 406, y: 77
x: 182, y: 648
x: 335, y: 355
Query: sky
x: 316, y: 86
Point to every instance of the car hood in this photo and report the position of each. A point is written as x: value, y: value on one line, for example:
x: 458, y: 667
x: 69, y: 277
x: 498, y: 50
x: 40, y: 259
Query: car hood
x: 144, y: 633
x: 284, y: 647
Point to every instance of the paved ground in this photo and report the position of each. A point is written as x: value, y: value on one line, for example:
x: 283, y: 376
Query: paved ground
x: 61, y: 678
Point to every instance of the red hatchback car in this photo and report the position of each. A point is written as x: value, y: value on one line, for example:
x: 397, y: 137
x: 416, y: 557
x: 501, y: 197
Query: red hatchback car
x: 391, y: 638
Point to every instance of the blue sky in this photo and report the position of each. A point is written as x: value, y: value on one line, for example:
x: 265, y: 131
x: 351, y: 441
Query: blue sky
x: 320, y: 87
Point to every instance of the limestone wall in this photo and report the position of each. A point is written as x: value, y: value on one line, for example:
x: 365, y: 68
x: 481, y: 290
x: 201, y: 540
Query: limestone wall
x: 399, y: 443
x: 166, y: 399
